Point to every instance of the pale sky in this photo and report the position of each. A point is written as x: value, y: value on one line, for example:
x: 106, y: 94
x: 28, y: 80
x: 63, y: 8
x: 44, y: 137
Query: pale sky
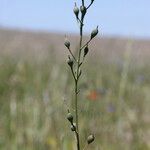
x: 114, y: 17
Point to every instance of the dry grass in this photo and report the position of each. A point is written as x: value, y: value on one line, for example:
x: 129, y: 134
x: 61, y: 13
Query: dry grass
x: 35, y: 92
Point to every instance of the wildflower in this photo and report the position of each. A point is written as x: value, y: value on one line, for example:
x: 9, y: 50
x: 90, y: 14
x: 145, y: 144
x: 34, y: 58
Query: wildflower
x: 111, y: 108
x: 93, y: 95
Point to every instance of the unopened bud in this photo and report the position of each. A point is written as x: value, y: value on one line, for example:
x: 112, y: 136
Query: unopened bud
x: 73, y: 128
x: 86, y: 50
x: 83, y: 10
x: 90, y: 139
x: 70, y: 62
x: 67, y: 43
x: 70, y: 117
x: 76, y: 10
x: 94, y: 32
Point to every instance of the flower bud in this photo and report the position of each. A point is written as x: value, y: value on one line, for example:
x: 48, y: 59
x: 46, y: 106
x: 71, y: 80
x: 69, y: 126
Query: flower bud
x: 73, y: 128
x: 90, y: 139
x: 94, y: 32
x: 67, y: 43
x: 76, y: 10
x: 83, y: 10
x: 70, y: 117
x: 70, y: 62
x: 86, y: 50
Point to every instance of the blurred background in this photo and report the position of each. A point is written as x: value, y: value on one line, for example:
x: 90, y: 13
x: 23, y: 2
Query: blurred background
x: 36, y: 86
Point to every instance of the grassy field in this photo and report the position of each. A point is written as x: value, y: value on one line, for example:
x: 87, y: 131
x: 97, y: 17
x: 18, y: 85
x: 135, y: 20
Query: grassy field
x: 36, y: 91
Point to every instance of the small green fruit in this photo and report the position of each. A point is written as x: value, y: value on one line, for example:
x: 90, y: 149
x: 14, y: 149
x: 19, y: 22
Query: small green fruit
x: 83, y: 10
x: 76, y: 10
x: 90, y: 139
x: 86, y: 50
x: 67, y: 43
x: 70, y: 117
x: 94, y: 32
x: 73, y: 128
x: 70, y: 62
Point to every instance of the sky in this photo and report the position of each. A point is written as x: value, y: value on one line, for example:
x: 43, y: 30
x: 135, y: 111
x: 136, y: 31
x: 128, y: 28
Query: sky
x: 128, y: 18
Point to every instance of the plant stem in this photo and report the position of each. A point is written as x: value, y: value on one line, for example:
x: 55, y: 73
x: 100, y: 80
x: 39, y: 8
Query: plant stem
x: 78, y: 140
x: 76, y: 114
x: 83, y: 2
x: 72, y: 54
x: 78, y: 62
x: 77, y: 77
x: 76, y: 83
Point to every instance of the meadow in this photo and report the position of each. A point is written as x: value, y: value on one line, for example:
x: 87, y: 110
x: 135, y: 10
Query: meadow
x: 36, y: 91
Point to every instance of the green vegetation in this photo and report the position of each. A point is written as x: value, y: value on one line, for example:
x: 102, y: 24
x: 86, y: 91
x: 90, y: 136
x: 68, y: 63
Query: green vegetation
x: 34, y: 97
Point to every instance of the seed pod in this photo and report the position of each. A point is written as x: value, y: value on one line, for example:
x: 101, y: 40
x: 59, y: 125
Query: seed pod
x: 67, y: 43
x: 90, y: 139
x: 70, y: 117
x: 76, y: 10
x: 94, y: 32
x: 83, y: 10
x: 86, y: 50
x: 73, y: 128
x: 70, y: 62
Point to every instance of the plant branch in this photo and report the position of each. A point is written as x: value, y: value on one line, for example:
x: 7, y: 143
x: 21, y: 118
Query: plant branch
x: 90, y: 5
x: 73, y: 74
x: 72, y: 54
x: 86, y: 44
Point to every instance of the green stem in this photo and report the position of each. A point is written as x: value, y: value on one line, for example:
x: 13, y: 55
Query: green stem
x: 72, y: 54
x: 77, y: 77
x: 76, y: 113
x: 76, y: 83
x: 83, y: 2
x: 78, y: 140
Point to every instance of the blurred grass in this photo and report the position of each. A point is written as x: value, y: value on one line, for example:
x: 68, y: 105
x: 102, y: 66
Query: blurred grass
x: 35, y: 95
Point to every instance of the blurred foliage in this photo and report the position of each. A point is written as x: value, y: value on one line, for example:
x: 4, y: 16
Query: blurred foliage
x: 35, y: 95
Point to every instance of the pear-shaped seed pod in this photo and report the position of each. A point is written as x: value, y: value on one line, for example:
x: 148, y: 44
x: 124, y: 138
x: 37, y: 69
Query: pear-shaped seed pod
x: 86, y: 50
x: 73, y: 128
x: 70, y: 117
x: 83, y: 10
x: 76, y: 10
x: 90, y: 139
x: 70, y: 62
x: 94, y: 32
x: 67, y: 43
